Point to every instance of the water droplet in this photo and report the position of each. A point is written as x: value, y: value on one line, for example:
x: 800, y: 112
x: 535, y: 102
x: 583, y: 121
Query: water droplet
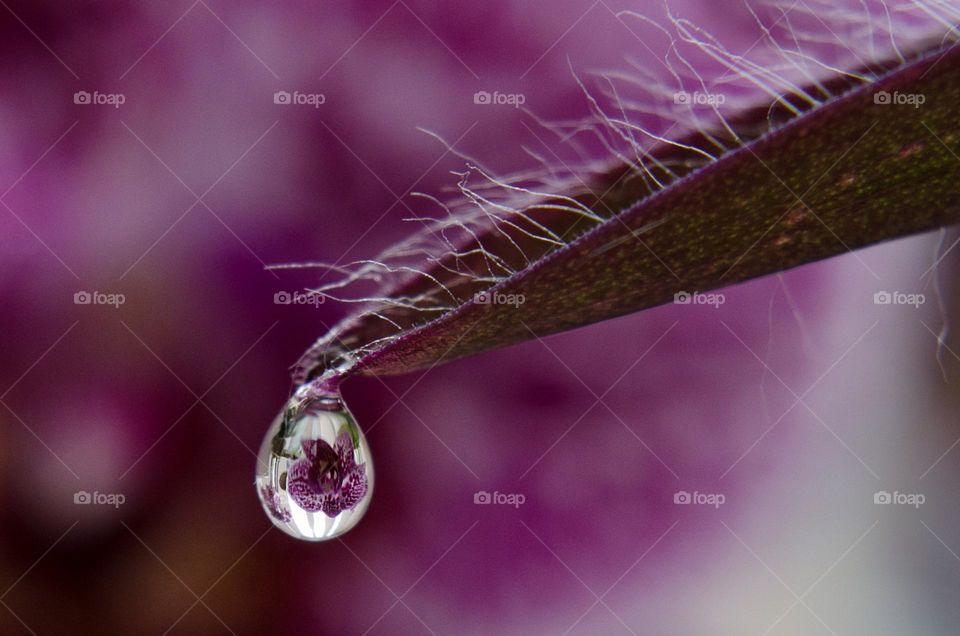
x: 795, y: 216
x: 910, y: 149
x: 847, y: 179
x: 314, y: 473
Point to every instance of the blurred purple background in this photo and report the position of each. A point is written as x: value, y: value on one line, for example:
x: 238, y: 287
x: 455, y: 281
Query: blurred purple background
x: 179, y: 197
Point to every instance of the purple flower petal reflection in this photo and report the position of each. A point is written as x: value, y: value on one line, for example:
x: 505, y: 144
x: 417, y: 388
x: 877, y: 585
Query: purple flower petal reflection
x: 270, y: 499
x: 327, y: 478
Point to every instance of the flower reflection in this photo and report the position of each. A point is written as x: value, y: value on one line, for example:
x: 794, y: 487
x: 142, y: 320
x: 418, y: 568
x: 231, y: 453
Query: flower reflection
x: 327, y: 478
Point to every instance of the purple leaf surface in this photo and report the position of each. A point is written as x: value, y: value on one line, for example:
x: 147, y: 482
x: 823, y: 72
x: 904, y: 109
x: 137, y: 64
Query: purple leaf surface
x: 803, y: 183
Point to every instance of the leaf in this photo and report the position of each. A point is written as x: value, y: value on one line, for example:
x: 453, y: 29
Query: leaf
x: 842, y: 175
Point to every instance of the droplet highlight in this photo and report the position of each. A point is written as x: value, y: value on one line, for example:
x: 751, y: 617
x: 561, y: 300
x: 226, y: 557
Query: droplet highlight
x: 314, y: 472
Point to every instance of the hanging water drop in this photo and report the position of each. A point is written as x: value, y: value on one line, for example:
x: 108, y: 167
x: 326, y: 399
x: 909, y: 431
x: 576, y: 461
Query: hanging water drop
x: 314, y: 473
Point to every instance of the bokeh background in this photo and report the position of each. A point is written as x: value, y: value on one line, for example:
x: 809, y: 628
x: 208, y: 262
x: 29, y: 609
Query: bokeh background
x: 797, y: 400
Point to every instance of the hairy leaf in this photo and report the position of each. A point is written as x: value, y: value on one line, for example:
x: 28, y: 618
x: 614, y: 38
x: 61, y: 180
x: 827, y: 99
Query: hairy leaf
x: 845, y: 173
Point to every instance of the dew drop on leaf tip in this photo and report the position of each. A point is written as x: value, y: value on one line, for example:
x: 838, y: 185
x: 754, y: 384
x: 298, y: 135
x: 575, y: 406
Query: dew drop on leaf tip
x: 314, y: 472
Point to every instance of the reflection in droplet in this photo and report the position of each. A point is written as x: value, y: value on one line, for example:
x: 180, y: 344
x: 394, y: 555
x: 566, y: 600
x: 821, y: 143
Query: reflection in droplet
x: 314, y: 474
